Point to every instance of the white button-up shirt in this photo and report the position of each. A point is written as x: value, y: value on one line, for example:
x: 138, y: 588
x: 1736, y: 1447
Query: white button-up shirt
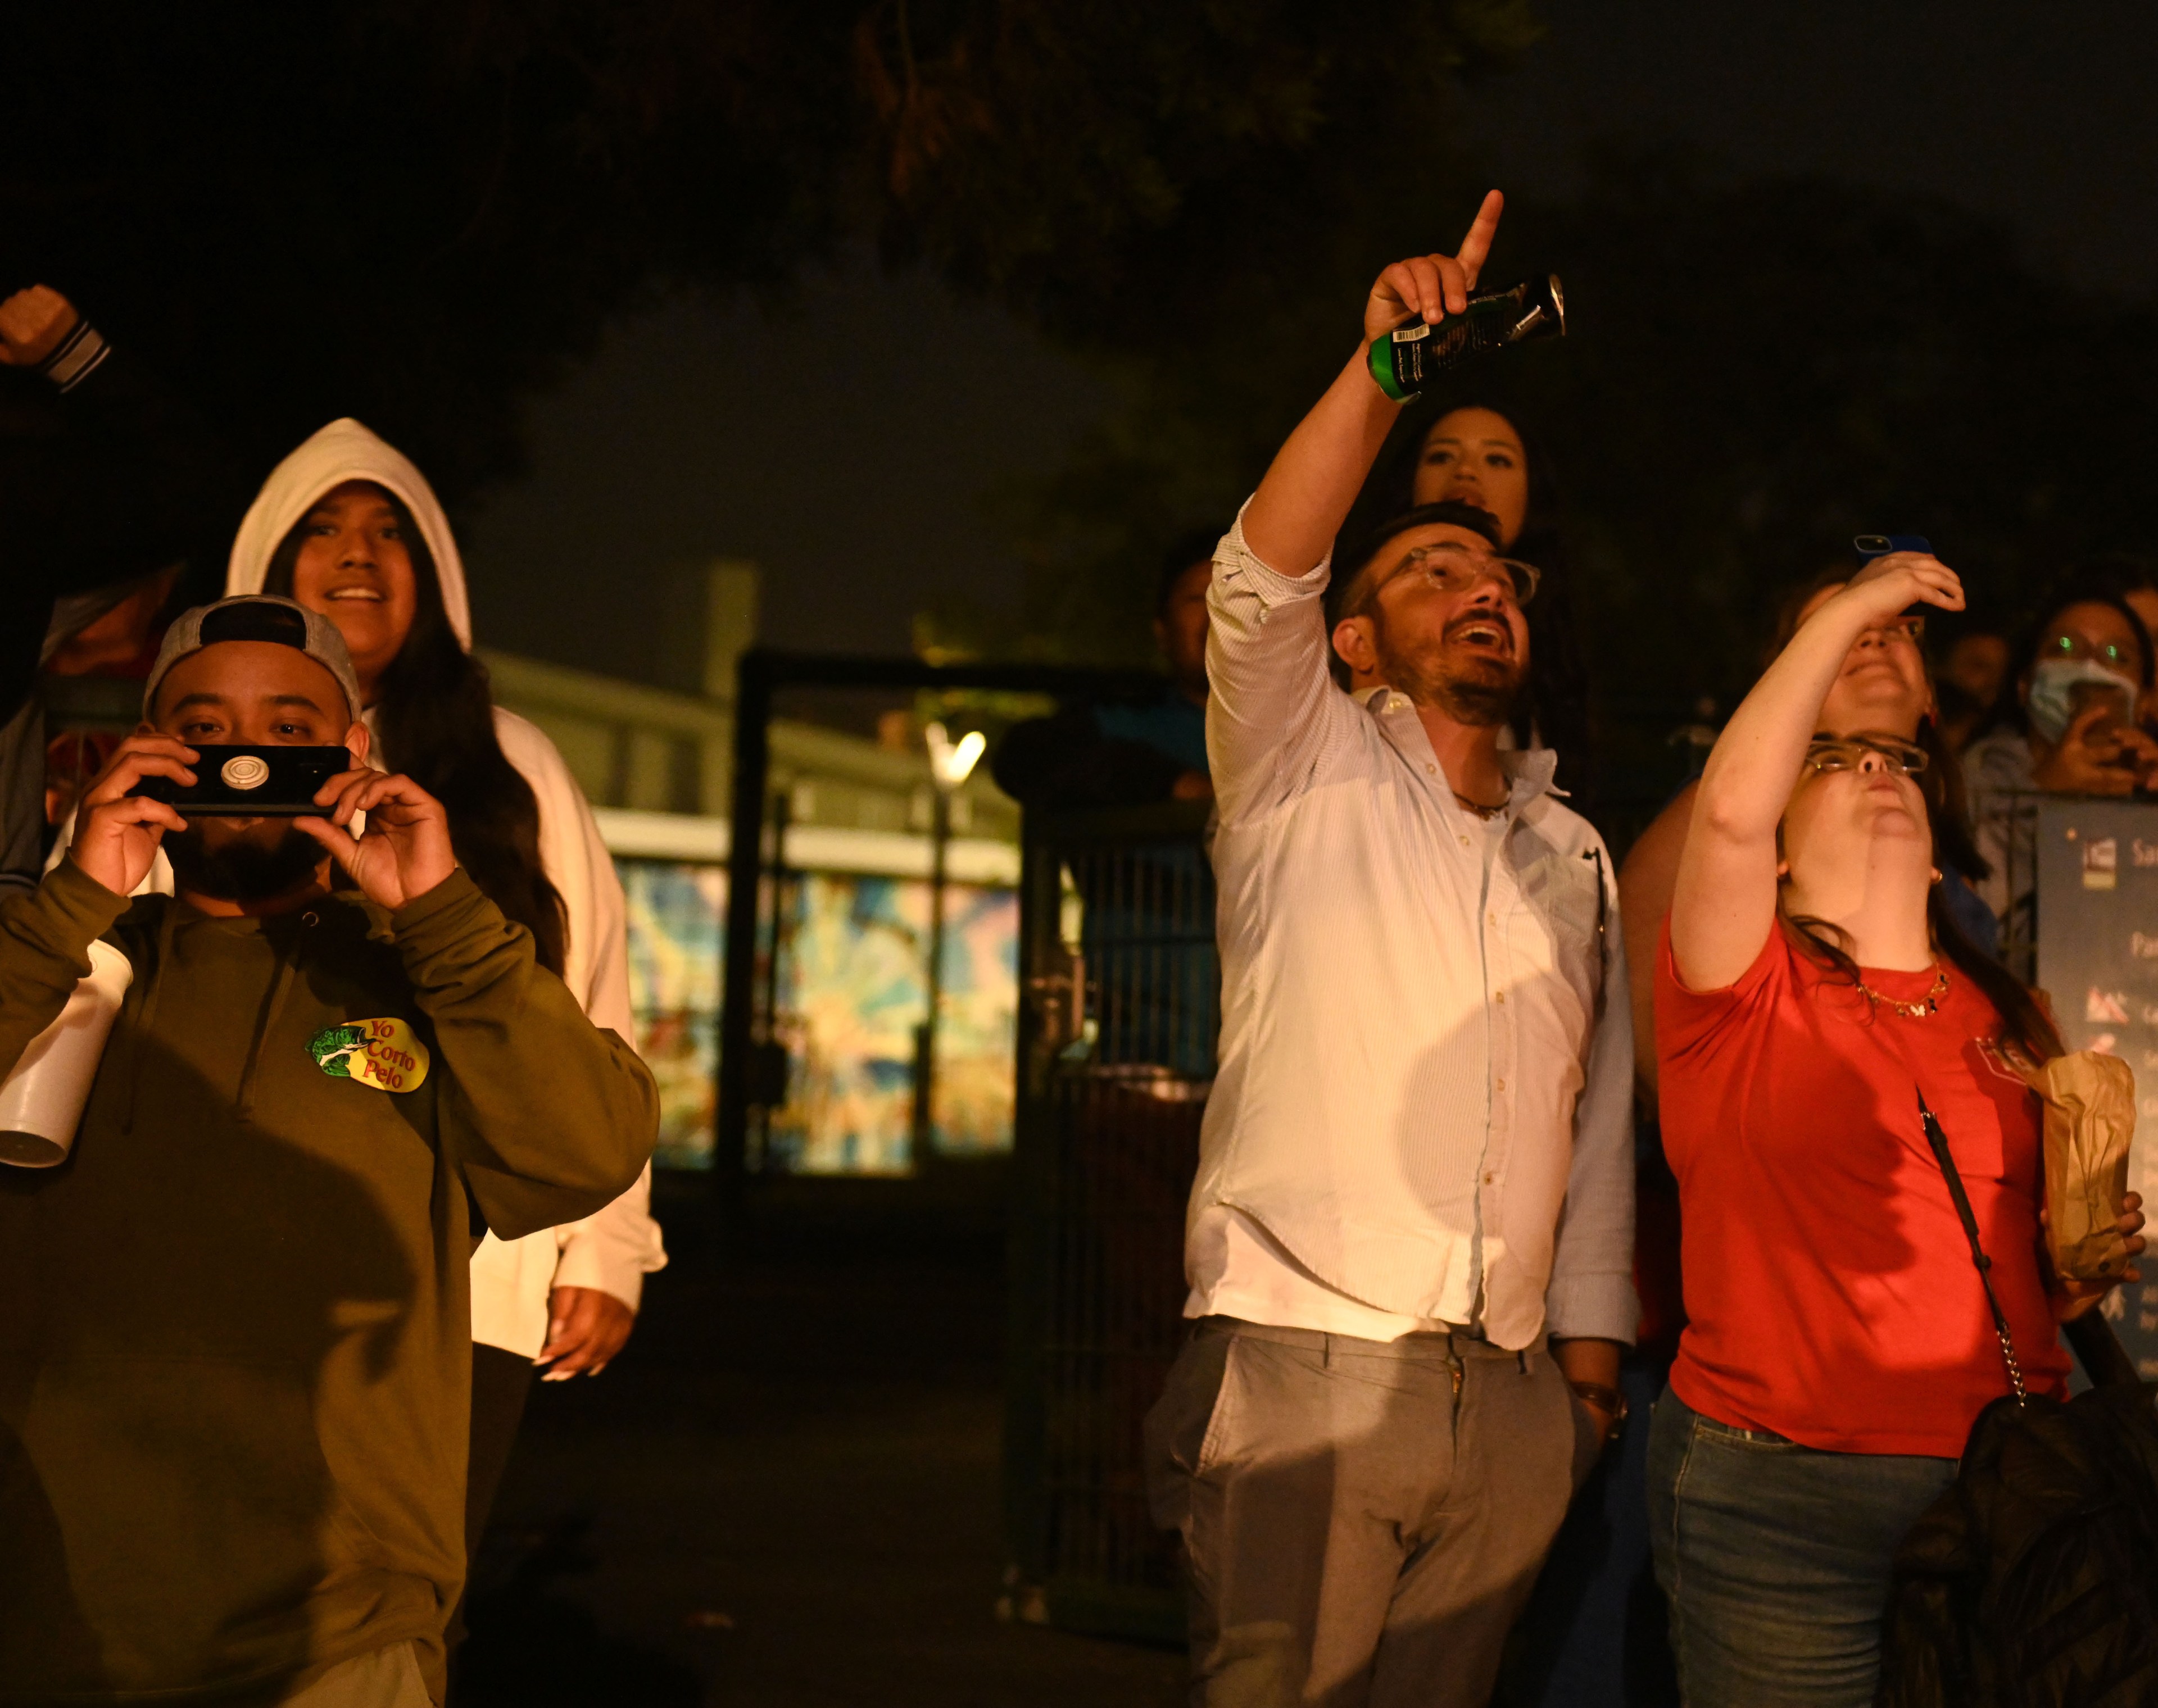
x: 1423, y: 1106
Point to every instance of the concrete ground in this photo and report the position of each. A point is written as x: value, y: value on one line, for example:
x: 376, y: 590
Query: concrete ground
x: 785, y: 1492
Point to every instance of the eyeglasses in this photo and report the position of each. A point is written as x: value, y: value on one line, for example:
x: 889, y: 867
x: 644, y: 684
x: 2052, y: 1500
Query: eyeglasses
x: 2070, y: 646
x: 1826, y: 753
x: 1454, y: 568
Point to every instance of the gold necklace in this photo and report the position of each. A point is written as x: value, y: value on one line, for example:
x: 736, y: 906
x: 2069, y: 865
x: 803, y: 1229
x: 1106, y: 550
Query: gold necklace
x: 1929, y: 1004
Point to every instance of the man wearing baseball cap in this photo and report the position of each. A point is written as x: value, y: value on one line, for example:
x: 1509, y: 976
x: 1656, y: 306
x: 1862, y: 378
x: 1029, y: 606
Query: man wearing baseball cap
x: 234, y: 1364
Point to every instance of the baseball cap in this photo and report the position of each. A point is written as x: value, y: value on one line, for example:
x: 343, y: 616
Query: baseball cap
x: 255, y: 616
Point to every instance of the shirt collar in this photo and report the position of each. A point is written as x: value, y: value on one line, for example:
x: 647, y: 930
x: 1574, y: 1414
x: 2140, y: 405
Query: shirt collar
x: 1529, y: 774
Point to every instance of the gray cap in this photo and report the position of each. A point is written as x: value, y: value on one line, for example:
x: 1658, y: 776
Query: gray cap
x: 255, y: 616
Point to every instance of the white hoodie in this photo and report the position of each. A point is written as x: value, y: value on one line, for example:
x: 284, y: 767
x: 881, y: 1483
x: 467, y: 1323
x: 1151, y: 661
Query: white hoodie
x: 616, y: 1249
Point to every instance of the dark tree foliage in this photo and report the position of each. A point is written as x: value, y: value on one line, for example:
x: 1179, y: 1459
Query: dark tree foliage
x: 420, y: 211
x: 1755, y: 371
x: 1759, y: 371
x: 416, y: 211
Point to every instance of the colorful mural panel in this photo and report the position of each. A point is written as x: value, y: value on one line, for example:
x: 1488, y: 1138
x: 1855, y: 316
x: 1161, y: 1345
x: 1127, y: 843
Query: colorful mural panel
x: 852, y: 992
x: 678, y: 914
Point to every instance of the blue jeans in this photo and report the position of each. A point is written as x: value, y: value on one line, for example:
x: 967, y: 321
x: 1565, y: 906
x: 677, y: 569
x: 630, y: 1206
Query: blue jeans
x: 1775, y: 1558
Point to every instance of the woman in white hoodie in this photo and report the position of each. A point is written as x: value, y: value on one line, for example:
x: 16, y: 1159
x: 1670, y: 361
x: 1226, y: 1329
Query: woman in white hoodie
x: 348, y: 526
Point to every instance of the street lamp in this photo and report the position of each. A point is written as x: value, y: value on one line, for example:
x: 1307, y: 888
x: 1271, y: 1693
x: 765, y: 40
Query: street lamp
x: 950, y: 764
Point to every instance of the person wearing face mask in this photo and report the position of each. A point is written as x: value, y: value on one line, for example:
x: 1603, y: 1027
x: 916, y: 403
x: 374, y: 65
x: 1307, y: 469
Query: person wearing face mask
x: 1812, y: 991
x: 349, y: 528
x: 1410, y: 1240
x: 2086, y: 671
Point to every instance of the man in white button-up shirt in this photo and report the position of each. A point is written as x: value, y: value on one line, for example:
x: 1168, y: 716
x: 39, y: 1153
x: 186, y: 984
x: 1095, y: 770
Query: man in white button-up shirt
x: 1411, y: 1239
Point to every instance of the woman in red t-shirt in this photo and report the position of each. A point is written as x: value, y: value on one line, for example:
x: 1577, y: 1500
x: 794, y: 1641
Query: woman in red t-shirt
x: 1811, y: 987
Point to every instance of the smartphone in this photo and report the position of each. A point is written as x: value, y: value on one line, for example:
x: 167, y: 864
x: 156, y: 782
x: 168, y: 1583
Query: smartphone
x: 2120, y: 701
x: 250, y: 782
x: 1870, y: 546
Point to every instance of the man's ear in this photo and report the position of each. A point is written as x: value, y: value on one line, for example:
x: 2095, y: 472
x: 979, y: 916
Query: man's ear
x: 356, y: 742
x: 1353, y: 642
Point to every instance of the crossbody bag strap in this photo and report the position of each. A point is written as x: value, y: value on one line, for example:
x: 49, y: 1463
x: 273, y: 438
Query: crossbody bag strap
x: 1939, y: 1142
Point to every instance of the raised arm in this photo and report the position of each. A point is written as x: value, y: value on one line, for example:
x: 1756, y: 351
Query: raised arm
x: 1724, y: 903
x: 1316, y: 475
x: 1271, y: 700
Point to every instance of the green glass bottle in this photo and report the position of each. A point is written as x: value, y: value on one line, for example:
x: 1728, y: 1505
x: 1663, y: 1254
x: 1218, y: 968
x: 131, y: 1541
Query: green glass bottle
x: 1407, y: 359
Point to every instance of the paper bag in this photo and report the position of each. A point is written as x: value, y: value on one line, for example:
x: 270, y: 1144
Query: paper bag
x: 2090, y: 1118
x: 41, y: 1101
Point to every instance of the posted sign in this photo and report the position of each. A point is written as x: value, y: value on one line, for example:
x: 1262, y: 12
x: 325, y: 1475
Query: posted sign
x: 2096, y: 868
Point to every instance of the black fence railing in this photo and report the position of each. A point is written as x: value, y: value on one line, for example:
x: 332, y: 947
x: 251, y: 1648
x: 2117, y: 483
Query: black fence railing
x: 1119, y: 1017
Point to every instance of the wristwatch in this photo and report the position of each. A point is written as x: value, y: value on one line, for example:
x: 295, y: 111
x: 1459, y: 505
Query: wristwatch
x: 1608, y: 1401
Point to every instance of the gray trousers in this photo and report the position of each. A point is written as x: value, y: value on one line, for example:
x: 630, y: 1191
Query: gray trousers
x: 1363, y: 1520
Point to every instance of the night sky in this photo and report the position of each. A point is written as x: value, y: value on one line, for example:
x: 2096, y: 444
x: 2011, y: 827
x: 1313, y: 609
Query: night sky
x: 862, y: 474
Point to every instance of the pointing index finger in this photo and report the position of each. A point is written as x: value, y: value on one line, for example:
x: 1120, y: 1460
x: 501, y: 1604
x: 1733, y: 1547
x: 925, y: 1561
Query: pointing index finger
x: 1476, y: 245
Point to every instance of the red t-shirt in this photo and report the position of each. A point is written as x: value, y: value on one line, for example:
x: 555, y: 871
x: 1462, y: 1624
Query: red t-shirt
x: 1829, y: 1286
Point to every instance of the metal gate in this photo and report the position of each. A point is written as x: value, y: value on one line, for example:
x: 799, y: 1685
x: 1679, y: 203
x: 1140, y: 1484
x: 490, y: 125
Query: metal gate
x: 1119, y: 1014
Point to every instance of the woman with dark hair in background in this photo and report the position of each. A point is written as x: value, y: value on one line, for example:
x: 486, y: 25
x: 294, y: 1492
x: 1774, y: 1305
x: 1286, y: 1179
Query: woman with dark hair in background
x: 348, y: 526
x: 2085, y: 671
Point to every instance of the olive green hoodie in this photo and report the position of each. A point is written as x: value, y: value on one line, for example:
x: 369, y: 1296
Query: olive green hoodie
x: 235, y: 1352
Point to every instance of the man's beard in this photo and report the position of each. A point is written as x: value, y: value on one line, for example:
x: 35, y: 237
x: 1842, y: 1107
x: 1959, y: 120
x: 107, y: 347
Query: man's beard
x: 1477, y: 692
x: 241, y: 868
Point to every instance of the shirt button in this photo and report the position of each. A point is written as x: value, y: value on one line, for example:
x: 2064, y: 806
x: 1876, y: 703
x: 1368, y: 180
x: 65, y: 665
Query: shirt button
x: 1490, y: 1179
x: 1464, y: 842
x: 1502, y: 1086
x: 1431, y: 770
x: 1502, y: 998
x: 1493, y: 917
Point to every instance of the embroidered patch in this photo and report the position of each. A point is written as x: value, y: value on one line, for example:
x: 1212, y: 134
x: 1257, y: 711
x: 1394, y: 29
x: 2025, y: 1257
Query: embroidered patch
x: 385, y: 1054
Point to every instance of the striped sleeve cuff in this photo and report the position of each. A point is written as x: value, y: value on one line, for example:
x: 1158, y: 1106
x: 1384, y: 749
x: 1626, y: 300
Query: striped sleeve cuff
x: 79, y: 356
x: 1593, y: 1308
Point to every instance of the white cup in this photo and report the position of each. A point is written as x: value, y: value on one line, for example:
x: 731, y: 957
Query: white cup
x: 41, y: 1102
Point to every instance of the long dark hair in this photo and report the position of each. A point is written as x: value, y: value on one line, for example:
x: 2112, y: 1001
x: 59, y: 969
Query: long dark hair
x: 434, y: 714
x: 1555, y: 706
x: 2025, y: 1028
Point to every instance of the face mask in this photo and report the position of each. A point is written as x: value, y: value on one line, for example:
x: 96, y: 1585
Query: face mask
x: 2055, y: 702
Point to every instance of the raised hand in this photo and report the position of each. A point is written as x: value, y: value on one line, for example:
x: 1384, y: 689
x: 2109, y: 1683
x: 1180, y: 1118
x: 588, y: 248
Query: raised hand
x: 1901, y: 579
x: 405, y: 850
x: 33, y: 323
x: 117, y: 831
x: 1433, y: 285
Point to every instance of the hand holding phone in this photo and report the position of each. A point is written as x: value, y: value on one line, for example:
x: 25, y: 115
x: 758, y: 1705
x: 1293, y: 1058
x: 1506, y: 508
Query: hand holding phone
x: 1872, y: 546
